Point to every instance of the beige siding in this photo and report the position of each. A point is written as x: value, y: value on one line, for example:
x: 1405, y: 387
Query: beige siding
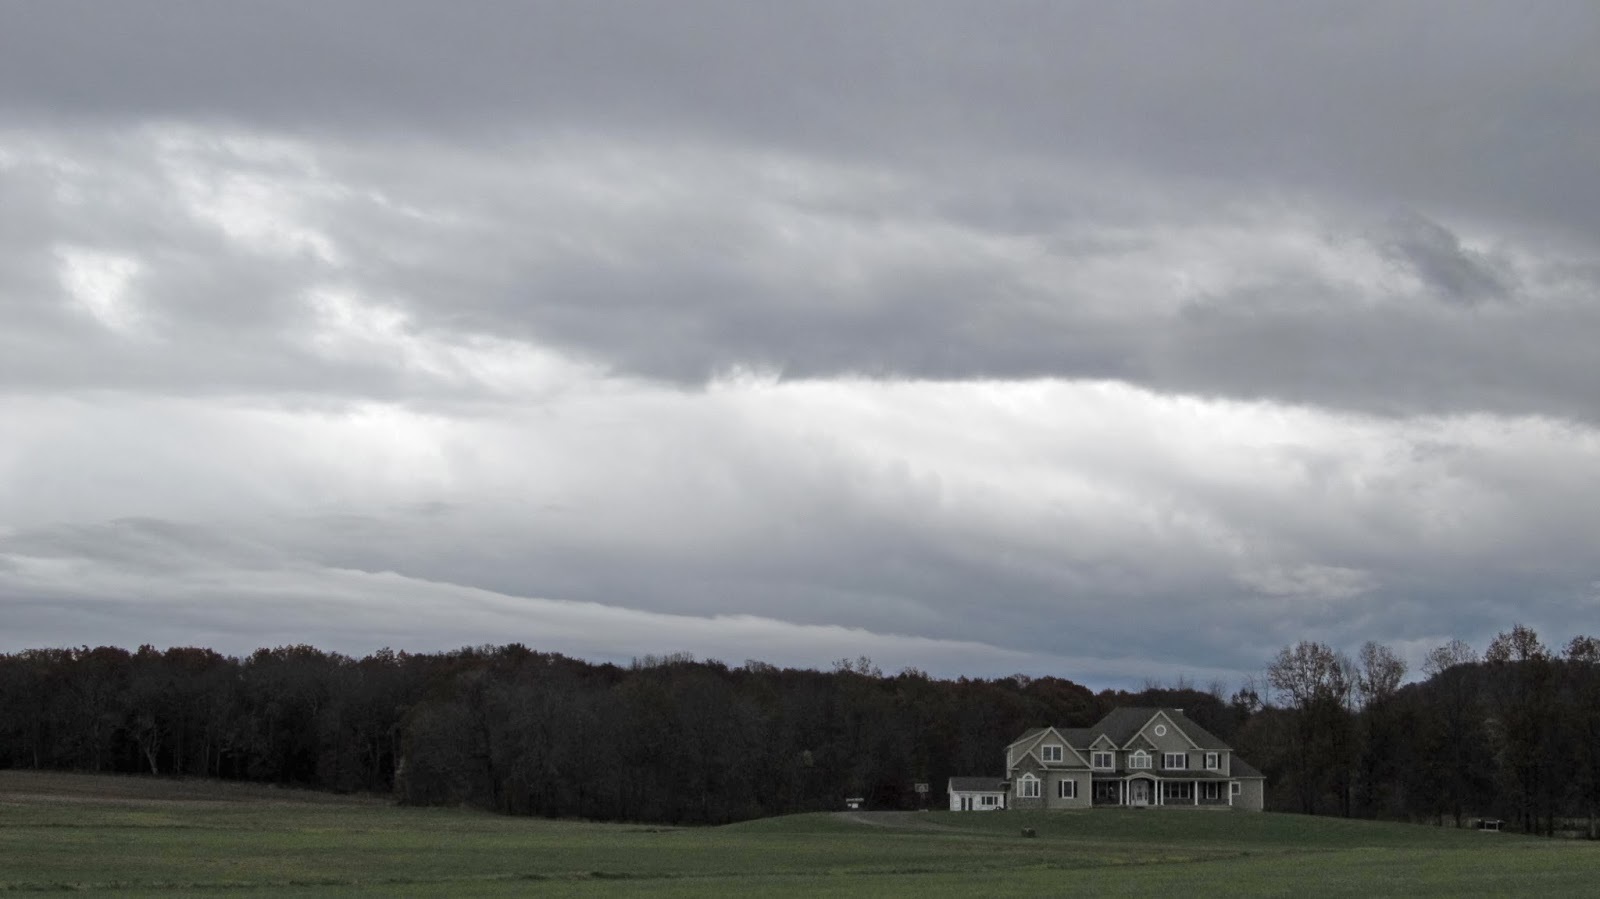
x: 1052, y: 792
x: 1067, y: 757
x: 1172, y: 741
x: 1027, y: 765
x: 1196, y: 762
x: 1250, y: 796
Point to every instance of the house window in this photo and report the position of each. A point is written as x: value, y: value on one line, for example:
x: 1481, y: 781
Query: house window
x: 1161, y: 730
x: 1052, y: 753
x: 1212, y: 761
x: 1140, y: 759
x: 1180, y: 790
x: 1107, y: 791
x: 1066, y: 789
x: 1236, y: 788
x: 1175, y: 760
x: 1104, y: 760
x: 1028, y: 787
x: 1213, y: 790
x: 989, y: 801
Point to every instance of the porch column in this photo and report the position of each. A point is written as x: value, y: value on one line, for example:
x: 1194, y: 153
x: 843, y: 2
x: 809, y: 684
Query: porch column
x: 1230, y: 794
x: 1197, y: 792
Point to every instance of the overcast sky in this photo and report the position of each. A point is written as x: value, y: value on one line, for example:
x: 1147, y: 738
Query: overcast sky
x: 1112, y: 341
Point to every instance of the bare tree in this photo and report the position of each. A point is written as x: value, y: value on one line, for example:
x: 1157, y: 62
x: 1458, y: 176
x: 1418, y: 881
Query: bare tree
x: 1443, y: 658
x: 1320, y: 683
x: 1584, y: 650
x: 1311, y: 672
x: 1378, y: 674
x: 1583, y: 664
x: 1520, y: 644
x: 1523, y: 699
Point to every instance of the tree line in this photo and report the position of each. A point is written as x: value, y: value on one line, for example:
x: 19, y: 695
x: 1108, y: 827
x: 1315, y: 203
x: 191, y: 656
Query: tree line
x: 1513, y: 734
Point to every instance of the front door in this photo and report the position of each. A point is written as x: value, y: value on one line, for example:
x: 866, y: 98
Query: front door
x: 1139, y: 792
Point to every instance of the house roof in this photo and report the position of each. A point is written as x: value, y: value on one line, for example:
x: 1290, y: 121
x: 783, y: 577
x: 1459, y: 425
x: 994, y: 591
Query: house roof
x: 1242, y: 768
x: 1029, y: 733
x: 1185, y: 774
x: 977, y: 784
x: 1121, y: 725
x: 1078, y: 737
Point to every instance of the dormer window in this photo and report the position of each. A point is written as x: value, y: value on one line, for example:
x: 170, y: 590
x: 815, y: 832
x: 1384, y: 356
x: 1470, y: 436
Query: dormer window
x: 1139, y: 759
x: 1051, y: 753
x: 1213, y: 761
x: 1105, y: 761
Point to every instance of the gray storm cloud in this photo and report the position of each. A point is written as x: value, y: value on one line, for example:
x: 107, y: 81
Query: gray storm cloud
x: 1076, y: 335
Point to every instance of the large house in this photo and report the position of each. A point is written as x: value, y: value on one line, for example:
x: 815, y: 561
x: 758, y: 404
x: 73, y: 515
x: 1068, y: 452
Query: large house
x: 1132, y: 757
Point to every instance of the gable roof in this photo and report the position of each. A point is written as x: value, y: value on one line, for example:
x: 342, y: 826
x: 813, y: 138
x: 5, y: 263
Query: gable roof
x: 1123, y: 724
x: 1028, y: 734
x: 977, y: 785
x: 1036, y: 738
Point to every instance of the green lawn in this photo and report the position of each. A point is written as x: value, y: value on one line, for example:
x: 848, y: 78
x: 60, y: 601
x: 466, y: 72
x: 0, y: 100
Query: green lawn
x: 139, y: 837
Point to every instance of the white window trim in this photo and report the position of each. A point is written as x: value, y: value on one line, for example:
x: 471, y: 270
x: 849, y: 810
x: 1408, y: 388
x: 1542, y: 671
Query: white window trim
x: 1066, y: 789
x: 1139, y: 759
x: 1161, y: 730
x: 1167, y: 757
x: 1028, y: 787
x: 1110, y: 760
x: 1235, y: 788
x: 1213, y: 791
x: 1052, y: 752
x: 1213, y: 761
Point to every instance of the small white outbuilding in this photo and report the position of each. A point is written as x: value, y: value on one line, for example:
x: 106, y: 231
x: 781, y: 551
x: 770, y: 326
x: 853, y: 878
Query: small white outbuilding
x: 977, y: 794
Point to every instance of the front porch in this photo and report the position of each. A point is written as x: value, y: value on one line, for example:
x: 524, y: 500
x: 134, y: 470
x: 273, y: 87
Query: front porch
x: 1151, y: 790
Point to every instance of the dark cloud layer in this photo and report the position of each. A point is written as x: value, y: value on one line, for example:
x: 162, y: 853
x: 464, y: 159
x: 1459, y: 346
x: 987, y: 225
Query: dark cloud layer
x: 687, y: 264
x: 1416, y: 100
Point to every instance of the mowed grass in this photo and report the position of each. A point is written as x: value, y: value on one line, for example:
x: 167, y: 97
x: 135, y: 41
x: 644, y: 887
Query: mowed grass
x: 146, y: 837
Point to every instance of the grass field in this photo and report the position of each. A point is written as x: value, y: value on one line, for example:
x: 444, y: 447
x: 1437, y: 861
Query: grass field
x: 143, y: 837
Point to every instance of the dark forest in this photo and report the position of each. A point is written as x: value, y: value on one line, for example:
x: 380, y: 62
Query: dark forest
x: 1513, y: 733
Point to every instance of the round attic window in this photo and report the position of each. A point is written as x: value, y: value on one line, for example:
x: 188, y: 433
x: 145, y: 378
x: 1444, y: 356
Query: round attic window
x: 1161, y: 730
